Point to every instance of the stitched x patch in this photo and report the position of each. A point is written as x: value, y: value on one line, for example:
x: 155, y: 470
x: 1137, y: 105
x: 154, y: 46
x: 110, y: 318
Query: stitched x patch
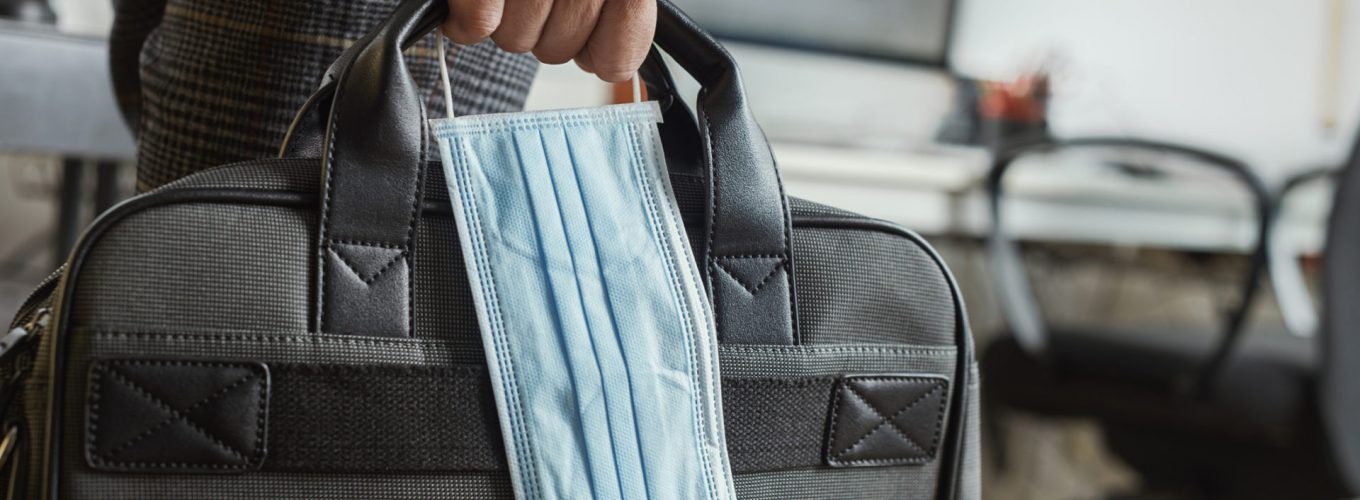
x: 367, y: 262
x: 751, y: 273
x: 886, y: 420
x: 159, y: 415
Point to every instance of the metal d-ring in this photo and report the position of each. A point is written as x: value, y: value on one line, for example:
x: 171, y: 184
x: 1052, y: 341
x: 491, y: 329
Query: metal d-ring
x: 8, y: 444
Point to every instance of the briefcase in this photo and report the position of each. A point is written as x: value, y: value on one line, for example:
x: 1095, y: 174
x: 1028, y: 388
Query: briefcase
x: 302, y: 327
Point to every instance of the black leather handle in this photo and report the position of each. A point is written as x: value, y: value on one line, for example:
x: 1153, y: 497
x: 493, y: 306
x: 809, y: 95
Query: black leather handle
x: 373, y: 157
x: 373, y: 153
x: 748, y: 254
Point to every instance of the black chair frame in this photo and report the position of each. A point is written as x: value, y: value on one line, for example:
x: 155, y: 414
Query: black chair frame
x: 1017, y: 297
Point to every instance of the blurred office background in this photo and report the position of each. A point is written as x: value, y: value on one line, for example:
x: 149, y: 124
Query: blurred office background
x: 894, y: 108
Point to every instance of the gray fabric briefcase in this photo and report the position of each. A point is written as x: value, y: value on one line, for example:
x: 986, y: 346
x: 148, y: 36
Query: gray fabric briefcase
x: 302, y: 327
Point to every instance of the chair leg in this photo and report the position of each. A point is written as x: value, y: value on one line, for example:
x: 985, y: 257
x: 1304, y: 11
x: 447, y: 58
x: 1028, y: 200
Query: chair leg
x: 1194, y: 466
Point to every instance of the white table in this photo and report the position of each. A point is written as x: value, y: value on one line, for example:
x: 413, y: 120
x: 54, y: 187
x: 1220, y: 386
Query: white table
x: 940, y: 191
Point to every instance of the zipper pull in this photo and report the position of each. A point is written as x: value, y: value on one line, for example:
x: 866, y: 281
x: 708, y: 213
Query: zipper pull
x: 21, y: 333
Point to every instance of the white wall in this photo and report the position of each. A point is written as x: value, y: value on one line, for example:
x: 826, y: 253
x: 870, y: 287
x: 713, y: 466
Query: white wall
x: 801, y: 96
x: 1241, y: 76
x: 86, y: 17
x: 1244, y: 76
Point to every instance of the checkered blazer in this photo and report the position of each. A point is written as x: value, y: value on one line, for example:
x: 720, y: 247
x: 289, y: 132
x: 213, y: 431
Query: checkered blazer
x: 210, y: 82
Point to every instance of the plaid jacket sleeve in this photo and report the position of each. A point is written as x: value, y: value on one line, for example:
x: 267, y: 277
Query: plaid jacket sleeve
x: 208, y: 82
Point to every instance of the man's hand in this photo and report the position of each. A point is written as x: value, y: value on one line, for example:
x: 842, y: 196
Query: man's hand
x: 607, y: 37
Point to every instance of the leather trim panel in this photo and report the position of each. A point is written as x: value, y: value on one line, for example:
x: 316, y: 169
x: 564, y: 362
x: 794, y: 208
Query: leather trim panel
x: 886, y: 420
x: 176, y: 416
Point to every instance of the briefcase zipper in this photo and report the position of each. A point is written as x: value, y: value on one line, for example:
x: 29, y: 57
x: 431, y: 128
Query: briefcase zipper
x: 40, y: 294
x: 22, y: 335
x: 14, y: 365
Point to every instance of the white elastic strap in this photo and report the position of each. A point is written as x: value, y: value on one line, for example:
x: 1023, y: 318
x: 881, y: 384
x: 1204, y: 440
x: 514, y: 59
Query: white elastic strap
x: 444, y: 76
x: 637, y: 88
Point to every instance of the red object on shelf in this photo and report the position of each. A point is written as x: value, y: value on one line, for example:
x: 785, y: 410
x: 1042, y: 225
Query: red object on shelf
x: 1023, y: 100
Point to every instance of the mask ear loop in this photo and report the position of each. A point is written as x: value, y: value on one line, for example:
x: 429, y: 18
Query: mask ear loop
x: 444, y: 75
x: 637, y: 88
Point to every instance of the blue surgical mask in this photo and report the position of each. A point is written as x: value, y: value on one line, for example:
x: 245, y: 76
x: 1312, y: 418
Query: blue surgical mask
x: 596, y: 327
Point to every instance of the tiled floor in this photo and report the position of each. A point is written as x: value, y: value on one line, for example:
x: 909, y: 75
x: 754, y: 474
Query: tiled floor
x: 1053, y: 460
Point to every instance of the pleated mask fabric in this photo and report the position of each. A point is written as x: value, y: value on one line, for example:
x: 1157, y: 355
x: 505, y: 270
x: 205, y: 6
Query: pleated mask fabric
x: 598, y: 335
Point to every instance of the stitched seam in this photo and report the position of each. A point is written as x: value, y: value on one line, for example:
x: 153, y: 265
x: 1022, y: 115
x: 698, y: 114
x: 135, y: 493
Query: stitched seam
x: 261, y: 417
x: 778, y: 267
x: 888, y: 421
x: 713, y: 215
x: 290, y: 338
x: 385, y: 370
x: 718, y: 307
x: 115, y: 450
x: 473, y: 124
x: 832, y: 456
x: 204, y: 364
x: 260, y: 422
x: 163, y: 465
x: 653, y: 219
x: 415, y: 215
x: 354, y: 269
x: 303, y: 339
x: 330, y: 173
x: 939, y: 423
x: 158, y: 402
x: 471, y: 129
x: 813, y: 350
x: 92, y: 430
x: 786, y: 225
x: 761, y: 382
x: 885, y: 461
x: 414, y: 198
x: 506, y: 365
x: 367, y: 244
